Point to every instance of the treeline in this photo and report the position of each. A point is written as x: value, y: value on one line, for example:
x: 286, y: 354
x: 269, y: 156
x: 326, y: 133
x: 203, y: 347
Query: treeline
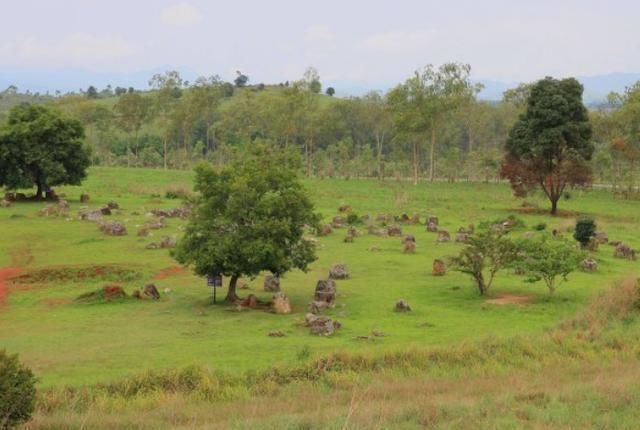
x: 431, y: 126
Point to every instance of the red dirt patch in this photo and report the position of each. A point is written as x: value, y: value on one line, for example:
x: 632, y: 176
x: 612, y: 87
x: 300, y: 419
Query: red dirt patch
x: 169, y: 271
x: 5, y: 276
x: 510, y: 299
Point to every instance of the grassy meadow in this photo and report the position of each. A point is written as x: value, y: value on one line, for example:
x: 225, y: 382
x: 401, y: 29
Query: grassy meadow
x: 70, y: 344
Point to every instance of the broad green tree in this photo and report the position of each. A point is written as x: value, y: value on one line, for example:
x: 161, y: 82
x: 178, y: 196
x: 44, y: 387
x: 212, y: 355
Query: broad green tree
x: 550, y: 145
x: 250, y: 217
x: 133, y: 110
x: 40, y: 146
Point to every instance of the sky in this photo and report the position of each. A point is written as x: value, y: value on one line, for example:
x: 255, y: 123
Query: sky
x: 350, y: 40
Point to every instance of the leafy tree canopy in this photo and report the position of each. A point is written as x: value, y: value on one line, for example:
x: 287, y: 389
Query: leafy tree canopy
x: 39, y: 146
x: 550, y: 144
x: 250, y: 217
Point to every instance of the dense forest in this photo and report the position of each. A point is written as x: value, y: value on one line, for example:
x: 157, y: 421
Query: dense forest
x: 432, y: 126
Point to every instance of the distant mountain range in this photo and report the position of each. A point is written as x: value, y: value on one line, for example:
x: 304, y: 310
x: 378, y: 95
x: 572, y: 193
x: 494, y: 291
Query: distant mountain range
x: 65, y: 80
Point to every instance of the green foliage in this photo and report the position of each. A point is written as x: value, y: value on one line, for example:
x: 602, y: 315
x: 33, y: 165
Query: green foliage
x: 540, y: 226
x: 250, y: 217
x: 483, y: 256
x: 17, y: 391
x: 548, y: 259
x: 584, y: 231
x: 550, y: 145
x: 39, y: 146
x: 353, y: 219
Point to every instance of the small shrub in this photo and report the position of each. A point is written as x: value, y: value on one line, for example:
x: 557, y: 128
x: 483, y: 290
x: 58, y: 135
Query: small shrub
x: 17, y: 391
x: 353, y: 219
x: 303, y: 353
x: 584, y: 231
x: 177, y: 193
x: 540, y: 226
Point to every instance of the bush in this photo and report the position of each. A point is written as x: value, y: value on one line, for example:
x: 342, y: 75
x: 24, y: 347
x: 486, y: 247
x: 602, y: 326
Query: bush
x: 584, y: 231
x: 353, y: 219
x: 17, y: 391
x: 540, y: 226
x: 177, y: 193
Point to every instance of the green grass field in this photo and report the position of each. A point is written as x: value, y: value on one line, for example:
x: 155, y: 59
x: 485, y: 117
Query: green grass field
x: 67, y: 343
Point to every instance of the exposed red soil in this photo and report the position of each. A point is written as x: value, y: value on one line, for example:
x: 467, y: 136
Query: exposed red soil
x: 169, y: 271
x: 5, y: 277
x: 510, y: 299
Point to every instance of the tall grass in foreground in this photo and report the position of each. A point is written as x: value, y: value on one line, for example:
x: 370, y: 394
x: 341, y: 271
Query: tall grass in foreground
x: 603, y: 338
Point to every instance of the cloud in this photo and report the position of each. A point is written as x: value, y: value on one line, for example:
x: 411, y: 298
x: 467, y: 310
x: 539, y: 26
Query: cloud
x: 77, y: 49
x: 400, y: 41
x: 319, y: 34
x: 181, y: 15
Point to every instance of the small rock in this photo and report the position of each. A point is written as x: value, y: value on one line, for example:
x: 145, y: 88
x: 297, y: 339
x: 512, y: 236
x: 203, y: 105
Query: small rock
x: 113, y: 228
x: 439, y: 268
x: 339, y: 271
x: 271, y: 283
x: 589, y: 265
x: 624, y: 251
x: 281, y: 304
x: 325, y: 292
x: 151, y: 291
x: 325, y: 230
x: 443, y: 236
x: 409, y: 247
x: 143, y: 232
x: 105, y: 211
x: 462, y: 237
x: 5, y: 203
x: 338, y: 222
x: 169, y: 241
x: 276, y: 333
x: 84, y: 198
x: 402, y: 306
x: 601, y: 237
x: 394, y: 230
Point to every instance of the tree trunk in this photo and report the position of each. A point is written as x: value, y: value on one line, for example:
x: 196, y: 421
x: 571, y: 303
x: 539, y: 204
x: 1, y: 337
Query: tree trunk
x: 554, y: 205
x: 432, y: 153
x: 164, y: 155
x: 415, y: 163
x: 232, y: 297
x: 39, y: 190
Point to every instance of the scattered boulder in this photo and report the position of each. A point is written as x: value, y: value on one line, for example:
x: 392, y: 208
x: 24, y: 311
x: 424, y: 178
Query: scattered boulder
x: 317, y: 307
x: 250, y: 302
x: 169, y: 241
x: 408, y: 238
x: 4, y: 203
x: 589, y: 265
x: 321, y: 325
x: 592, y: 245
x: 462, y: 237
x: 151, y: 292
x: 443, y: 236
x: 113, y: 228
x: 348, y: 238
x: 376, y: 231
x: 157, y: 224
x: 105, y: 210
x: 271, y: 283
x: 404, y: 218
x: 63, y: 204
x: 85, y: 198
x: 338, y: 222
x: 183, y: 212
x: 143, y: 232
x: 153, y: 245
x: 432, y: 224
x: 409, y: 247
x: 51, y: 210
x: 325, y: 292
x: 352, y: 231
x: 281, y: 304
x: 338, y: 271
x: 276, y: 333
x: 325, y: 230
x: 625, y: 251
x: 402, y: 306
x: 439, y: 268
x: 415, y: 219
x: 89, y: 214
x: 601, y: 237
x: 394, y: 230
x: 382, y: 219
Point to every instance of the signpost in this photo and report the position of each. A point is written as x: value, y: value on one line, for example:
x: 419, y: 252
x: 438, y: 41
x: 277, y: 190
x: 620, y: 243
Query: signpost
x: 214, y: 281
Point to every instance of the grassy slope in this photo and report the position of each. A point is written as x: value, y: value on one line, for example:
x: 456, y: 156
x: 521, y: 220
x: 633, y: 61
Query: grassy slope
x: 77, y: 344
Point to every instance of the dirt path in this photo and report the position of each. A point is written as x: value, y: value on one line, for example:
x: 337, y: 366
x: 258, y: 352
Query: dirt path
x: 5, y: 275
